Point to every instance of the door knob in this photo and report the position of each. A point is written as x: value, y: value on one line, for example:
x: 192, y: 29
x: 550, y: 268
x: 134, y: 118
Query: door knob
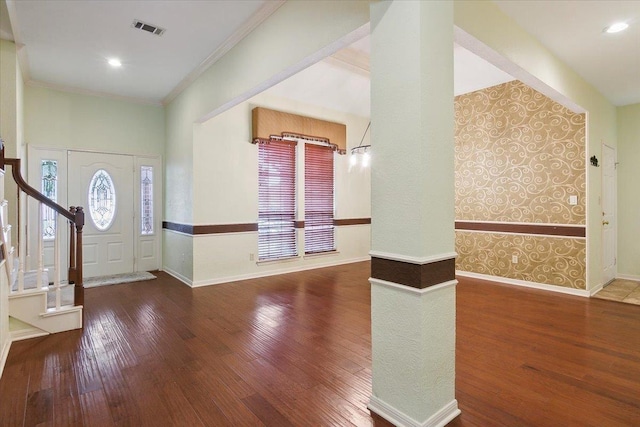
x: 605, y: 222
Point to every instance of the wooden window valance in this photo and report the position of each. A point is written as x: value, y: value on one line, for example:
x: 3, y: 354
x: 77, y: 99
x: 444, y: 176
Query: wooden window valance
x: 267, y: 124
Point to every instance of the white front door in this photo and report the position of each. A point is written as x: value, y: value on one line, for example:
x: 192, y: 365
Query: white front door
x: 103, y: 184
x: 608, y: 214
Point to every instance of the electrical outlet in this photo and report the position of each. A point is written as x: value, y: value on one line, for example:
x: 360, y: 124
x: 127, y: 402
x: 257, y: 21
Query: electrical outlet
x: 251, y: 257
x: 514, y: 259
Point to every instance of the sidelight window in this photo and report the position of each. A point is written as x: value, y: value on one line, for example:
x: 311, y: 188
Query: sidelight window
x: 146, y: 202
x: 50, y: 189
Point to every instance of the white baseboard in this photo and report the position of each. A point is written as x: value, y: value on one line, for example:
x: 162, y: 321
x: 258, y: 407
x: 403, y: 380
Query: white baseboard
x: 628, y: 277
x: 597, y: 289
x: 258, y: 274
x: 526, y: 284
x: 27, y: 333
x: 178, y: 276
x: 4, y: 355
x: 400, y: 419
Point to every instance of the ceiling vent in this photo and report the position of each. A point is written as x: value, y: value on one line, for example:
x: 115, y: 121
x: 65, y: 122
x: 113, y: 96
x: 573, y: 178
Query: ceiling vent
x: 148, y: 27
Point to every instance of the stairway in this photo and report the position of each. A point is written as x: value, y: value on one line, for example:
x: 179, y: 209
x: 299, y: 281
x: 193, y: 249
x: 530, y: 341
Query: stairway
x: 37, y: 306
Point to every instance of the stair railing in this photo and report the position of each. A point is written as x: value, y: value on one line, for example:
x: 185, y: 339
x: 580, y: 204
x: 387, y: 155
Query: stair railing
x: 75, y: 217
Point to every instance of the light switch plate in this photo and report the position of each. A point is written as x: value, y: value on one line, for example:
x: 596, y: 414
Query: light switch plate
x: 573, y: 200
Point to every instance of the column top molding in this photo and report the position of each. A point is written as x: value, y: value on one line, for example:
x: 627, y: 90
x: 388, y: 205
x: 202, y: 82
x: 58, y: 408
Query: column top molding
x: 411, y: 259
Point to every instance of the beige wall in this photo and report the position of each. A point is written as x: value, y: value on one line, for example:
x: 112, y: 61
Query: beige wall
x: 226, y: 192
x: 629, y: 191
x: 498, y: 33
x: 11, y: 130
x: 519, y: 156
x: 10, y: 79
x: 268, y: 54
x: 558, y: 261
x: 11, y: 121
x: 328, y: 22
x: 57, y: 119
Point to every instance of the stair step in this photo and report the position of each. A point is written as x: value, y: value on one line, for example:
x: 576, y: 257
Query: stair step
x: 31, y: 307
x: 20, y: 330
x: 62, y: 310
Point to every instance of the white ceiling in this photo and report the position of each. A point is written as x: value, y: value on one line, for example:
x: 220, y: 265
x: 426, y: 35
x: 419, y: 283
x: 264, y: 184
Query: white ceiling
x: 572, y: 30
x: 341, y: 82
x: 67, y: 43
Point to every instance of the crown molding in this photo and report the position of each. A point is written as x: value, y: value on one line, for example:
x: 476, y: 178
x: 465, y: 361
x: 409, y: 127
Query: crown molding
x: 352, y: 60
x: 267, y: 9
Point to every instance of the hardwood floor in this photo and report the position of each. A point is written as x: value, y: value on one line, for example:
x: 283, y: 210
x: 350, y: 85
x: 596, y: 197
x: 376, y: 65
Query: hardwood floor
x: 295, y: 350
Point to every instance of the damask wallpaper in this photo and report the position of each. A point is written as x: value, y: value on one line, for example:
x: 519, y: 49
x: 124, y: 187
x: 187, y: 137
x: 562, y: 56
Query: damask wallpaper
x: 557, y: 261
x: 519, y: 156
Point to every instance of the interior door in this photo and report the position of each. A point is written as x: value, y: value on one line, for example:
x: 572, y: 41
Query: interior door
x: 103, y: 185
x: 608, y: 214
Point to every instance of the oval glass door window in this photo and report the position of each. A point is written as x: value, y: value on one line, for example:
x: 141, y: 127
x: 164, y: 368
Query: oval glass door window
x: 102, y: 200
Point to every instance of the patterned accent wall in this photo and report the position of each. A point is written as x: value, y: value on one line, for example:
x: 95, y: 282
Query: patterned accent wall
x: 519, y: 156
x: 551, y: 260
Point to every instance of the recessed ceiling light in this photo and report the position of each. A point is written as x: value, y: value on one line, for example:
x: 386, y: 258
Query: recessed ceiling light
x: 115, y: 62
x: 616, y: 28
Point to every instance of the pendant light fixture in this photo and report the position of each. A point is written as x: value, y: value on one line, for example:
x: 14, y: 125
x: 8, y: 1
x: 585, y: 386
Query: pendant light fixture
x: 361, y: 153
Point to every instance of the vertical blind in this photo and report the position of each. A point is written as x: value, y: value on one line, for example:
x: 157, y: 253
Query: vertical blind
x: 318, y: 199
x: 276, y: 200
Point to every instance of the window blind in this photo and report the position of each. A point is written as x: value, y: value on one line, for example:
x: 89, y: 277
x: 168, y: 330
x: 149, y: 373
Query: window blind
x: 276, y: 200
x: 318, y: 199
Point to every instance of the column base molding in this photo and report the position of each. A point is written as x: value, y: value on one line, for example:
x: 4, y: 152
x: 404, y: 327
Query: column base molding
x: 400, y: 419
x: 411, y: 289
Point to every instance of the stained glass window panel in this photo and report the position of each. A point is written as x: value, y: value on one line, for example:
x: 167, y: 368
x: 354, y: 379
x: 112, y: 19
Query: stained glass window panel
x: 146, y: 202
x: 49, y: 189
x: 102, y: 200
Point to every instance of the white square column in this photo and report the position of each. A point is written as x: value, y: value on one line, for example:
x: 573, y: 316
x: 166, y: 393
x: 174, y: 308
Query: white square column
x: 412, y: 191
